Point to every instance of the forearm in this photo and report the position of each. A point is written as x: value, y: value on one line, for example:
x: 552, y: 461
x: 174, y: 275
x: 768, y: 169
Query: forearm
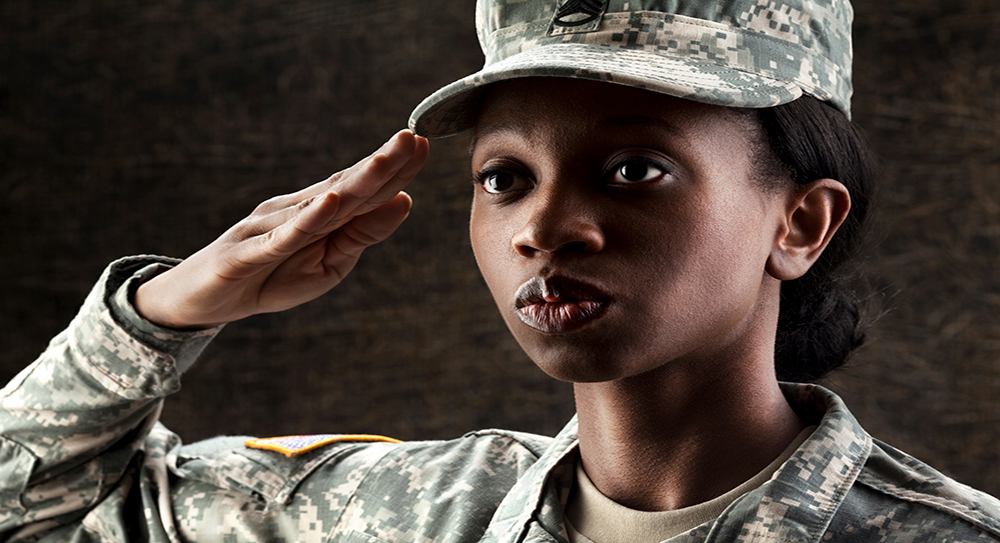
x: 72, y: 422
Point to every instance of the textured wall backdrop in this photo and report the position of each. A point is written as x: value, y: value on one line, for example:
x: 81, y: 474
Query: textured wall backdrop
x: 130, y: 127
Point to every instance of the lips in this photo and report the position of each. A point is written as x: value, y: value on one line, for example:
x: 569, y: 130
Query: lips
x: 558, y: 305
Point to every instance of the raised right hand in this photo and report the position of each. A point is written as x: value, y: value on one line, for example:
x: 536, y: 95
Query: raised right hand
x: 292, y: 248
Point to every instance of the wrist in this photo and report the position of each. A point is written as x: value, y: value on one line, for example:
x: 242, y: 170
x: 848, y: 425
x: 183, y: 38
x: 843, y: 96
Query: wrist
x: 150, y: 301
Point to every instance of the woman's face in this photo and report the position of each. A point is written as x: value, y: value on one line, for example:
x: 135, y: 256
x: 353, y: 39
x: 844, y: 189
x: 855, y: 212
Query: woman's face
x: 621, y: 230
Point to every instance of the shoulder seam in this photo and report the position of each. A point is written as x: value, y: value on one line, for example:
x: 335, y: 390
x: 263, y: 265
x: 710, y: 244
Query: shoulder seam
x: 945, y: 505
x: 513, y: 436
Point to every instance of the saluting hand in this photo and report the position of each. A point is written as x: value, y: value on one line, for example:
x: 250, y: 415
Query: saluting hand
x: 292, y: 248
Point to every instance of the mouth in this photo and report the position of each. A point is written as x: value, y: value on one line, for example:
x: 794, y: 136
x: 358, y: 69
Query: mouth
x: 558, y: 305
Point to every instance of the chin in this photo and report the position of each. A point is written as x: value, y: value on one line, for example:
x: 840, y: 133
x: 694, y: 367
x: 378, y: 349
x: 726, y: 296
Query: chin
x: 591, y: 354
x: 574, y: 365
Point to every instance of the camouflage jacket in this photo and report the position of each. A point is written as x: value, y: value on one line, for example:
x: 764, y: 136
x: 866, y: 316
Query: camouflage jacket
x: 82, y: 458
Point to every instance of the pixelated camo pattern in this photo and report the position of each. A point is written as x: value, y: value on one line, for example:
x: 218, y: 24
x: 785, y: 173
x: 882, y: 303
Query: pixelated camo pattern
x: 741, y: 53
x: 82, y: 458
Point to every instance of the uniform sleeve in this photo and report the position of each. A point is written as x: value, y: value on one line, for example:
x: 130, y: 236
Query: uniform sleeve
x: 74, y: 424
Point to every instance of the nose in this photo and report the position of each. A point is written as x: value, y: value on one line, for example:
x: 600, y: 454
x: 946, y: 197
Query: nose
x: 559, y: 221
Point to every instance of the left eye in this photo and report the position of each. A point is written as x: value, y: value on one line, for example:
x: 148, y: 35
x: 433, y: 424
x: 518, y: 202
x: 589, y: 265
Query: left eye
x: 638, y: 171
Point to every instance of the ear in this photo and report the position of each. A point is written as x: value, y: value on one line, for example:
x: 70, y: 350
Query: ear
x: 813, y: 213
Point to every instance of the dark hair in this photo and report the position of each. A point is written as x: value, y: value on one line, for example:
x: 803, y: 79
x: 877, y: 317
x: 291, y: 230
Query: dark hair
x: 819, y: 320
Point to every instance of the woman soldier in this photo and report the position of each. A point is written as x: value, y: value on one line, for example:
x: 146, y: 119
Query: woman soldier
x: 664, y: 194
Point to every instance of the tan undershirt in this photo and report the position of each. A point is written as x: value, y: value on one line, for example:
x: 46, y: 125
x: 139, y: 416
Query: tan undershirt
x: 591, y: 517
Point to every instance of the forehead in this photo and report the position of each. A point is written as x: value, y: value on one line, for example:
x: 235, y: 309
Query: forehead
x: 546, y: 107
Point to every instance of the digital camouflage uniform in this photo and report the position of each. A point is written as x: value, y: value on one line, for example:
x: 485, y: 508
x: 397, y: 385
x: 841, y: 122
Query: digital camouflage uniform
x: 82, y: 458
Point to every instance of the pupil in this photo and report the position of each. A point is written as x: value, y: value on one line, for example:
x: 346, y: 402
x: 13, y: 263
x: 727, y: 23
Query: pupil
x: 499, y: 182
x: 634, y: 172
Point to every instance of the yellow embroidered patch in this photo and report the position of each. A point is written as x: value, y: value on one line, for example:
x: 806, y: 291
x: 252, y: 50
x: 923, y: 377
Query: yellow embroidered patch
x: 295, y: 445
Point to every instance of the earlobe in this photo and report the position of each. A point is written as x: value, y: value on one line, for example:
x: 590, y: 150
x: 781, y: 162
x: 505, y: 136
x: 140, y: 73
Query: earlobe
x: 812, y: 216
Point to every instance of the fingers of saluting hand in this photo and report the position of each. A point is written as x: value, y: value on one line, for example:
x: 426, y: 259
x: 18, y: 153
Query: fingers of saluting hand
x: 287, y: 223
x: 377, y: 179
x: 361, y: 188
x: 321, y: 264
x: 368, y: 229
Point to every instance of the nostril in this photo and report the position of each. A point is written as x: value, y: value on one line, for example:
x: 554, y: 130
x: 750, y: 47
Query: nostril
x: 581, y: 246
x: 525, y: 250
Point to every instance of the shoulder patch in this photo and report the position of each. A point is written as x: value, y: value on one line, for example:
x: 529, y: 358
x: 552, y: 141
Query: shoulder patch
x: 295, y: 445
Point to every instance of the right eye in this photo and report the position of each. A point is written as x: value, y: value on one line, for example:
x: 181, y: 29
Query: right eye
x: 501, y: 182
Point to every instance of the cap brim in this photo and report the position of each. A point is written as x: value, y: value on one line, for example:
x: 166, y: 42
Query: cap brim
x: 453, y: 108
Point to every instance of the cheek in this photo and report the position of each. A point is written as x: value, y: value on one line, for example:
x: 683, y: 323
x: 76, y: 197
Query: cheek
x: 487, y: 235
x: 482, y: 244
x: 717, y: 251
x: 741, y: 281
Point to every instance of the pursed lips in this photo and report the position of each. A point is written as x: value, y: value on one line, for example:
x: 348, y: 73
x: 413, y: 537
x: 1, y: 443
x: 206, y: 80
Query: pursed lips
x: 556, y: 304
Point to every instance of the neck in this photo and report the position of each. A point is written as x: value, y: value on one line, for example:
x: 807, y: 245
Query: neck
x: 684, y: 433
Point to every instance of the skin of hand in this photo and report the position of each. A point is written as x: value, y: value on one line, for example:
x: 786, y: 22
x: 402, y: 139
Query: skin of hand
x: 292, y: 248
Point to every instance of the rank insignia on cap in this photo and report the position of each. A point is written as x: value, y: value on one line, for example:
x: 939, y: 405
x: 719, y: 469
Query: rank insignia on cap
x: 578, y: 16
x: 295, y: 445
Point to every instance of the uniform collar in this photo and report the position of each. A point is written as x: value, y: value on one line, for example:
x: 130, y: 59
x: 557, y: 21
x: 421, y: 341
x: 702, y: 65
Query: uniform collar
x: 532, y: 509
x: 797, y: 504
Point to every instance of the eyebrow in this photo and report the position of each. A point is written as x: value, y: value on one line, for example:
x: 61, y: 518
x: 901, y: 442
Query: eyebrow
x: 488, y: 130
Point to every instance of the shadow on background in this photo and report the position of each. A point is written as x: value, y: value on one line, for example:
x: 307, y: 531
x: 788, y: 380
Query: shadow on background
x: 128, y: 129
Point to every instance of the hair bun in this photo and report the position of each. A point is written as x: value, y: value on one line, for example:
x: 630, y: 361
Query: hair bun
x: 819, y: 330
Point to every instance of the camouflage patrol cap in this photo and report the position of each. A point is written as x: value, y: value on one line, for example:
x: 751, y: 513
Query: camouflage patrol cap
x: 739, y: 53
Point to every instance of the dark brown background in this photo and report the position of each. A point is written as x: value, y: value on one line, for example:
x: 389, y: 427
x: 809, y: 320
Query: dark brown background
x: 128, y: 128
